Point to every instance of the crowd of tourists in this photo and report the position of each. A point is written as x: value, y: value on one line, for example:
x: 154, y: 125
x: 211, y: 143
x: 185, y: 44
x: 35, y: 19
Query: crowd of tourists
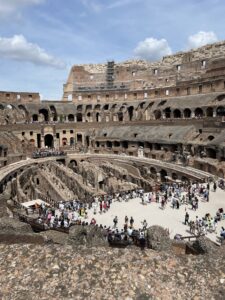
x: 76, y: 212
x: 47, y: 153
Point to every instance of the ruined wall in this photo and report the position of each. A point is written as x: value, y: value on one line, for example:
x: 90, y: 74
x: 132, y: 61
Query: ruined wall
x: 19, y: 97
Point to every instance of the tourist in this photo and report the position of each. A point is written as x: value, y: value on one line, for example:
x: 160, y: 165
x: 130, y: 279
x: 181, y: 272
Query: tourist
x: 145, y: 224
x: 115, y: 221
x: 186, y: 220
x: 131, y: 222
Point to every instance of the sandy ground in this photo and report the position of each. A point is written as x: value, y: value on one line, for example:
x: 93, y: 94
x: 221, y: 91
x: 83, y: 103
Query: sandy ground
x: 170, y: 218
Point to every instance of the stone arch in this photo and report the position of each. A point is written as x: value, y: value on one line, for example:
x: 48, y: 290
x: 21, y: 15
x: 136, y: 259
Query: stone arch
x: 88, y: 107
x: 163, y: 174
x: 187, y: 113
x: 23, y: 108
x: 157, y: 114
x: 177, y: 114
x: 167, y: 112
x: 98, y: 117
x: 174, y: 176
x: 45, y: 113
x: 49, y: 141
x: 71, y: 118
x: 184, y: 179
x: 120, y: 116
x: 209, y: 112
x: 199, y: 112
x: 153, y: 171
x: 211, y: 153
x: 88, y: 117
x: 79, y: 117
x: 35, y: 118
x: 130, y: 112
x: 53, y: 113
x: 97, y: 107
x: 220, y: 111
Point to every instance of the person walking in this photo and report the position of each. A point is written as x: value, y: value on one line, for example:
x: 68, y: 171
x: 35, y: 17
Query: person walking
x: 131, y: 222
x: 115, y: 221
x: 186, y: 219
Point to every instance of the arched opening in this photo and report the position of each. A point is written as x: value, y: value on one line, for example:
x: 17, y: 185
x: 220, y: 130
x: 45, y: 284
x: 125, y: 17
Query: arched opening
x: 120, y: 116
x: 184, y: 179
x: 153, y: 173
x: 71, y: 118
x: 198, y: 112
x: 187, y: 113
x: 79, y: 117
x: 64, y: 141
x: 79, y: 138
x: 1, y: 106
x: 167, y: 112
x: 130, y: 112
x: 24, y: 110
x: 125, y: 144
x: 157, y: 114
x: 54, y: 113
x: 45, y: 114
x: 177, y: 114
x: 88, y: 118
x: 211, y: 153
x: 97, y: 117
x: 209, y: 112
x: 88, y: 107
x: 211, y: 137
x: 220, y: 111
x: 163, y: 175
x: 87, y: 140
x: 79, y: 108
x: 174, y: 176
x: 72, y: 141
x: 109, y: 144
x: 35, y: 118
x: 116, y: 144
x: 49, y: 141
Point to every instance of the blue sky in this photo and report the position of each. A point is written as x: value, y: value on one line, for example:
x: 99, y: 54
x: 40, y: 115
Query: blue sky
x: 41, y: 39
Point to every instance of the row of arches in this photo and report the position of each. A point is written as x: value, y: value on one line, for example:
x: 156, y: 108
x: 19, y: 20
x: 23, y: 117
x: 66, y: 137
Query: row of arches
x: 130, y: 114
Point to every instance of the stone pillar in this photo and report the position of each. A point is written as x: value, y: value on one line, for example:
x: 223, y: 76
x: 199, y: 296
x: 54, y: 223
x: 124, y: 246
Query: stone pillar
x: 214, y: 112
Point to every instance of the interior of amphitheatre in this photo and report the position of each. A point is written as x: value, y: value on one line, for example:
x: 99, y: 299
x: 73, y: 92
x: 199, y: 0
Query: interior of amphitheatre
x: 118, y: 127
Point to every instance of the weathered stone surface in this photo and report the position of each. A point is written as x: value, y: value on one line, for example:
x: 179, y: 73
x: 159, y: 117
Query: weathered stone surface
x: 158, y: 238
x: 56, y: 272
x: 86, y: 235
x: 14, y: 226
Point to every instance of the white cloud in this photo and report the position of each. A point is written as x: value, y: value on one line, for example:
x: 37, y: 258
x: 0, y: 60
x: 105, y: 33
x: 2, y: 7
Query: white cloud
x: 152, y: 49
x: 18, y: 48
x: 9, y: 7
x: 201, y: 38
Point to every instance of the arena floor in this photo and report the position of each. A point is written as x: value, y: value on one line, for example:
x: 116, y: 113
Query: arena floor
x: 170, y: 218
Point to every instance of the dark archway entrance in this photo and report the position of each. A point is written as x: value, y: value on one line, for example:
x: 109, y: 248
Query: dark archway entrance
x: 45, y: 113
x: 130, y: 112
x: 49, y: 141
